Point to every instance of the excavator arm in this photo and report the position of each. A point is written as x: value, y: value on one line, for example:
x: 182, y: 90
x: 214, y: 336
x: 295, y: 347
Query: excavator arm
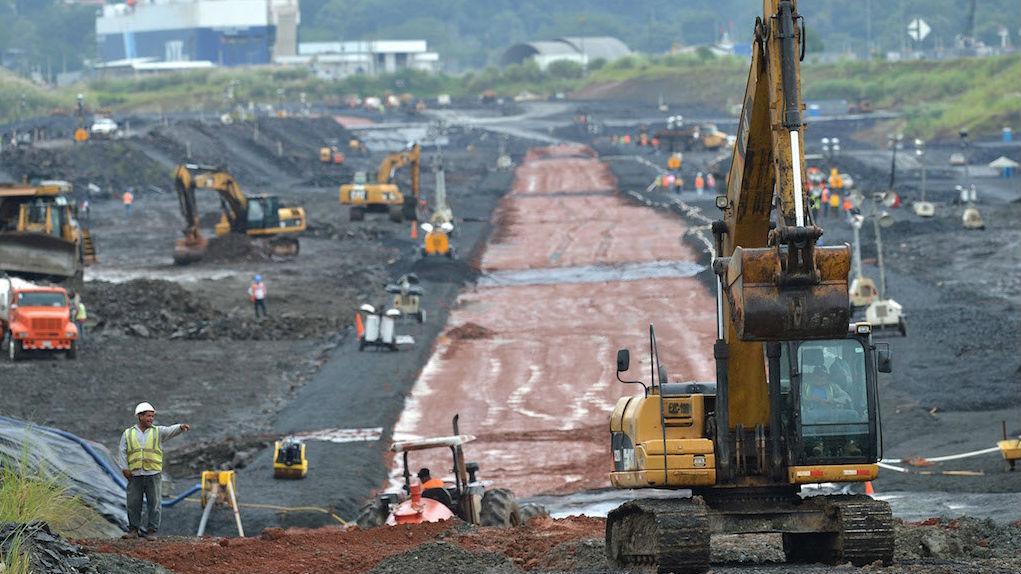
x: 188, y: 178
x: 391, y: 163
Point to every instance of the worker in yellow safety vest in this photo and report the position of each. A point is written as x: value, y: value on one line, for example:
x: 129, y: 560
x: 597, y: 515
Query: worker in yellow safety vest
x: 141, y: 460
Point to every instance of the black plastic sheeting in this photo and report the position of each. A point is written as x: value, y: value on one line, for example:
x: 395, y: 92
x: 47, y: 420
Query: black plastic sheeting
x: 60, y: 454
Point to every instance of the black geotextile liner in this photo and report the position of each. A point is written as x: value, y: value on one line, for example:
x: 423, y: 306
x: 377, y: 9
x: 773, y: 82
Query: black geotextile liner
x: 59, y: 454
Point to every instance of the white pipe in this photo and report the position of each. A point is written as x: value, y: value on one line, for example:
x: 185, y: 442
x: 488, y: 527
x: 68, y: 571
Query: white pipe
x: 799, y: 201
x: 949, y: 457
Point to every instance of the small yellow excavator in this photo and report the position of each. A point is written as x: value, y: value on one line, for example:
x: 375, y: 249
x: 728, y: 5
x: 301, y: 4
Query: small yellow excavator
x: 257, y: 216
x: 383, y: 195
x: 40, y: 235
x: 795, y: 400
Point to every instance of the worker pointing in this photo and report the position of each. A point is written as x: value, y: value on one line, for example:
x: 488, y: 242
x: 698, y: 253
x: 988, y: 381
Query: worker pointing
x: 141, y: 460
x: 257, y: 294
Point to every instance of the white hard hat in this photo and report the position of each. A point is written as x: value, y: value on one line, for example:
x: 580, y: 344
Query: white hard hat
x: 367, y: 308
x: 142, y: 407
x: 393, y: 313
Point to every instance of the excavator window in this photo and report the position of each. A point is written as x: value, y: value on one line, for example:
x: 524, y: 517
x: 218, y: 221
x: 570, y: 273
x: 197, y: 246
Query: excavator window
x: 256, y: 214
x: 832, y: 400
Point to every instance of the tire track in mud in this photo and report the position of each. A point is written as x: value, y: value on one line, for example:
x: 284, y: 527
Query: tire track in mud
x: 535, y: 382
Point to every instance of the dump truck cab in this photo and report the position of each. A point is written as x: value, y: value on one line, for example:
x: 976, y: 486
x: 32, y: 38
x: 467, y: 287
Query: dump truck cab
x: 36, y: 318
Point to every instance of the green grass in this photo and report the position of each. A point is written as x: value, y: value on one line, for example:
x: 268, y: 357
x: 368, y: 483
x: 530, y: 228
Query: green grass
x: 937, y: 98
x: 29, y: 495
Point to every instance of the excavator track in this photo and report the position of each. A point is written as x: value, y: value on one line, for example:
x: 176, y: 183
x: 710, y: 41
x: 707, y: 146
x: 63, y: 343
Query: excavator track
x: 671, y: 534
x: 865, y: 533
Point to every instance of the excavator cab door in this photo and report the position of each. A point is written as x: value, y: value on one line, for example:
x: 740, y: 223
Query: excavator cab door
x: 830, y: 402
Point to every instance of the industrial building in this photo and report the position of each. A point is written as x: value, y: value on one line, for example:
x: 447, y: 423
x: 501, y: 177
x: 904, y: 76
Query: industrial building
x: 578, y: 49
x: 224, y: 32
x: 336, y: 60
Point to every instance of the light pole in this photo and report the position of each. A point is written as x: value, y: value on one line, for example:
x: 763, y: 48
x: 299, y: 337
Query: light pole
x: 922, y: 208
x: 964, y: 144
x: 920, y: 153
x: 896, y: 142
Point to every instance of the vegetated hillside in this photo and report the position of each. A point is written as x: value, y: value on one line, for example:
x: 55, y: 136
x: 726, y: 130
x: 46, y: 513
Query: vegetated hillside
x: 937, y: 97
x: 20, y: 98
x: 471, y: 34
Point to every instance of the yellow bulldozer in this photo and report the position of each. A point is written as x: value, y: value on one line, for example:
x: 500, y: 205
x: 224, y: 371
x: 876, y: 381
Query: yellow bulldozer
x: 383, y: 195
x: 41, y: 237
x: 795, y: 400
x: 263, y: 217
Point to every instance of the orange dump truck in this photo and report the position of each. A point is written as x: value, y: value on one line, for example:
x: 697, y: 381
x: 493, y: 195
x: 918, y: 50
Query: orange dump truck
x: 36, y: 318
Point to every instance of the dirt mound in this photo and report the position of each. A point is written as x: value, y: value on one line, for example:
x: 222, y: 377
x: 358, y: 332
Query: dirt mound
x: 295, y: 551
x: 154, y: 309
x: 112, y: 165
x: 561, y: 152
x: 47, y: 552
x: 954, y: 538
x: 544, y: 543
x: 470, y: 331
x: 235, y: 247
x: 444, y: 558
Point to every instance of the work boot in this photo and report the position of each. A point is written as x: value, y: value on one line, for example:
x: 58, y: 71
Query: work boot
x: 132, y: 533
x: 149, y: 534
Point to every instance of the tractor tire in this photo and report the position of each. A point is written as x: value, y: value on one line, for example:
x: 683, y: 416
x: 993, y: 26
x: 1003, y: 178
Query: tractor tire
x: 396, y: 214
x: 371, y: 516
x: 530, y: 511
x: 499, y: 508
x: 72, y: 353
x: 356, y: 214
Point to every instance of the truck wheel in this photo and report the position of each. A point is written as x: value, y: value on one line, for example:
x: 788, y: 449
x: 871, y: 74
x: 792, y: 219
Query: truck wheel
x: 72, y: 353
x: 14, y: 346
x: 393, y: 347
x: 361, y: 344
x: 499, y: 508
x: 356, y: 214
x: 902, y: 326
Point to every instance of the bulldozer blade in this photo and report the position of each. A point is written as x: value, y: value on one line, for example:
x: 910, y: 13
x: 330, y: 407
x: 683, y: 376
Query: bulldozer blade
x: 189, y: 250
x: 38, y: 254
x: 767, y: 306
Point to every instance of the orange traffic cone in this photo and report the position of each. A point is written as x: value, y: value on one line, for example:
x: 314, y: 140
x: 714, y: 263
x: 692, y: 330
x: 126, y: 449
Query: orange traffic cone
x: 414, y: 230
x: 359, y: 326
x: 868, y: 488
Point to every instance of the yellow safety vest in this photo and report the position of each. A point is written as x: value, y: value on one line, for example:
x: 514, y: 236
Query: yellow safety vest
x: 147, y: 458
x: 82, y: 315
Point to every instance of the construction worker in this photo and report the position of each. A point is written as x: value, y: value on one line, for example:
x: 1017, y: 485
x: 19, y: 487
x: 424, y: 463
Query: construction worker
x: 140, y: 457
x: 428, y: 481
x: 835, y: 202
x: 710, y: 181
x: 78, y: 315
x: 257, y: 295
x: 824, y: 198
x: 128, y: 198
x: 699, y: 183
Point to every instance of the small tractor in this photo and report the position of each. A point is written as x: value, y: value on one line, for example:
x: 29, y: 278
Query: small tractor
x: 289, y: 459
x: 407, y: 293
x: 468, y: 499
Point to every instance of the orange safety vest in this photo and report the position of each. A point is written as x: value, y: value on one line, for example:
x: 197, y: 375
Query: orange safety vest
x: 699, y: 182
x: 432, y: 483
x: 847, y: 203
x: 825, y: 194
x: 258, y: 291
x: 128, y: 198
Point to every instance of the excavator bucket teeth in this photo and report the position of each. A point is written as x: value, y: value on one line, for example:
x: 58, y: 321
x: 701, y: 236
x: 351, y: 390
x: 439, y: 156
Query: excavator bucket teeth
x: 38, y: 254
x: 769, y: 304
x: 189, y: 250
x: 284, y: 246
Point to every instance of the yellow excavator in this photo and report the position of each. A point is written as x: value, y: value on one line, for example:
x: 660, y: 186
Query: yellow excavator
x: 257, y: 216
x: 795, y: 400
x: 41, y: 237
x: 383, y: 195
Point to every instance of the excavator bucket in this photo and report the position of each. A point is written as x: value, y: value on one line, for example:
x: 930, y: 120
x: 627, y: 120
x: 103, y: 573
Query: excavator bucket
x: 38, y: 254
x: 774, y: 295
x: 190, y: 249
